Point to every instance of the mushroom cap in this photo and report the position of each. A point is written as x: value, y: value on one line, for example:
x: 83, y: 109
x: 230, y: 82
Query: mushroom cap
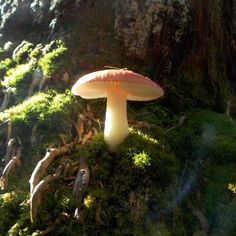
x: 137, y: 87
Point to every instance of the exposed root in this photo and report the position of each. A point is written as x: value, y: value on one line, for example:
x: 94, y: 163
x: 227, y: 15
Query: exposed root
x: 9, y: 130
x: 87, y: 137
x: 7, y: 96
x: 38, y: 81
x: 36, y: 195
x: 33, y: 138
x: 98, y: 218
x: 141, y: 124
x: 62, y: 217
x: 44, y: 163
x: 179, y: 125
x: 84, y: 135
x: 10, y: 150
x: 205, y: 226
x: 12, y: 164
x: 228, y: 108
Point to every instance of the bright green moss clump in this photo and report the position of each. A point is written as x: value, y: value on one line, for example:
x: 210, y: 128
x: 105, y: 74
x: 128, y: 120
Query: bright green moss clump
x: 23, y: 53
x: 18, y: 74
x: 50, y: 111
x: 51, y: 62
x: 5, y: 65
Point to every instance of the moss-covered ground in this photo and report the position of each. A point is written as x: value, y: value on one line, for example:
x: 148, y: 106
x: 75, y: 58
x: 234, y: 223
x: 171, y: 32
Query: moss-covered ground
x: 174, y: 163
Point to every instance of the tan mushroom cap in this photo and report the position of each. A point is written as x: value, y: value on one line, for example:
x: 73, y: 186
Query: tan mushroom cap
x: 137, y: 87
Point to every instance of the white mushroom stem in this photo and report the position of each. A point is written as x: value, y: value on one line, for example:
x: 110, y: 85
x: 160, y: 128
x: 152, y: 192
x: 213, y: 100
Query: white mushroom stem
x: 116, y: 124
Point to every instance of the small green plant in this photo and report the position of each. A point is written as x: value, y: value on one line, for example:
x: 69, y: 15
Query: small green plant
x: 141, y: 160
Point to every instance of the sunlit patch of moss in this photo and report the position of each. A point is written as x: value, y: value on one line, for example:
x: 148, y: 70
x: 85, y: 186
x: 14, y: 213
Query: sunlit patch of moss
x: 39, y: 107
x: 28, y: 111
x: 50, y: 111
x: 53, y: 61
x: 89, y: 201
x: 11, y: 209
x: 7, y: 197
x: 5, y: 65
x: 141, y: 160
x: 232, y: 187
x: 144, y: 136
x: 36, y: 52
x: 23, y: 53
x: 17, y: 74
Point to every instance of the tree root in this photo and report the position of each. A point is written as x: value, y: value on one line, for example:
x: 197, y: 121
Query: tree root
x: 62, y: 217
x: 98, y: 212
x: 7, y: 96
x: 10, y: 151
x: 84, y: 135
x: 11, y: 165
x: 44, y: 163
x: 35, y: 198
x: 205, y: 226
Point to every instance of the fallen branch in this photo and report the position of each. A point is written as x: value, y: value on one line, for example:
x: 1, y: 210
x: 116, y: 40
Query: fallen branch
x: 12, y: 164
x: 44, y: 163
x: 35, y: 198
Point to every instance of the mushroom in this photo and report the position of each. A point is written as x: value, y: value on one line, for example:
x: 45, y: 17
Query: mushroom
x: 118, y: 85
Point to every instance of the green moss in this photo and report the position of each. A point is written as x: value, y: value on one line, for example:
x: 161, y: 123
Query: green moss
x: 53, y: 62
x: 50, y: 111
x: 143, y: 171
x: 11, y: 209
x: 217, y: 201
x: 205, y: 135
x: 23, y: 53
x: 36, y: 52
x: 29, y: 111
x: 18, y: 74
x: 3, y: 54
x: 5, y: 65
x: 189, y: 89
